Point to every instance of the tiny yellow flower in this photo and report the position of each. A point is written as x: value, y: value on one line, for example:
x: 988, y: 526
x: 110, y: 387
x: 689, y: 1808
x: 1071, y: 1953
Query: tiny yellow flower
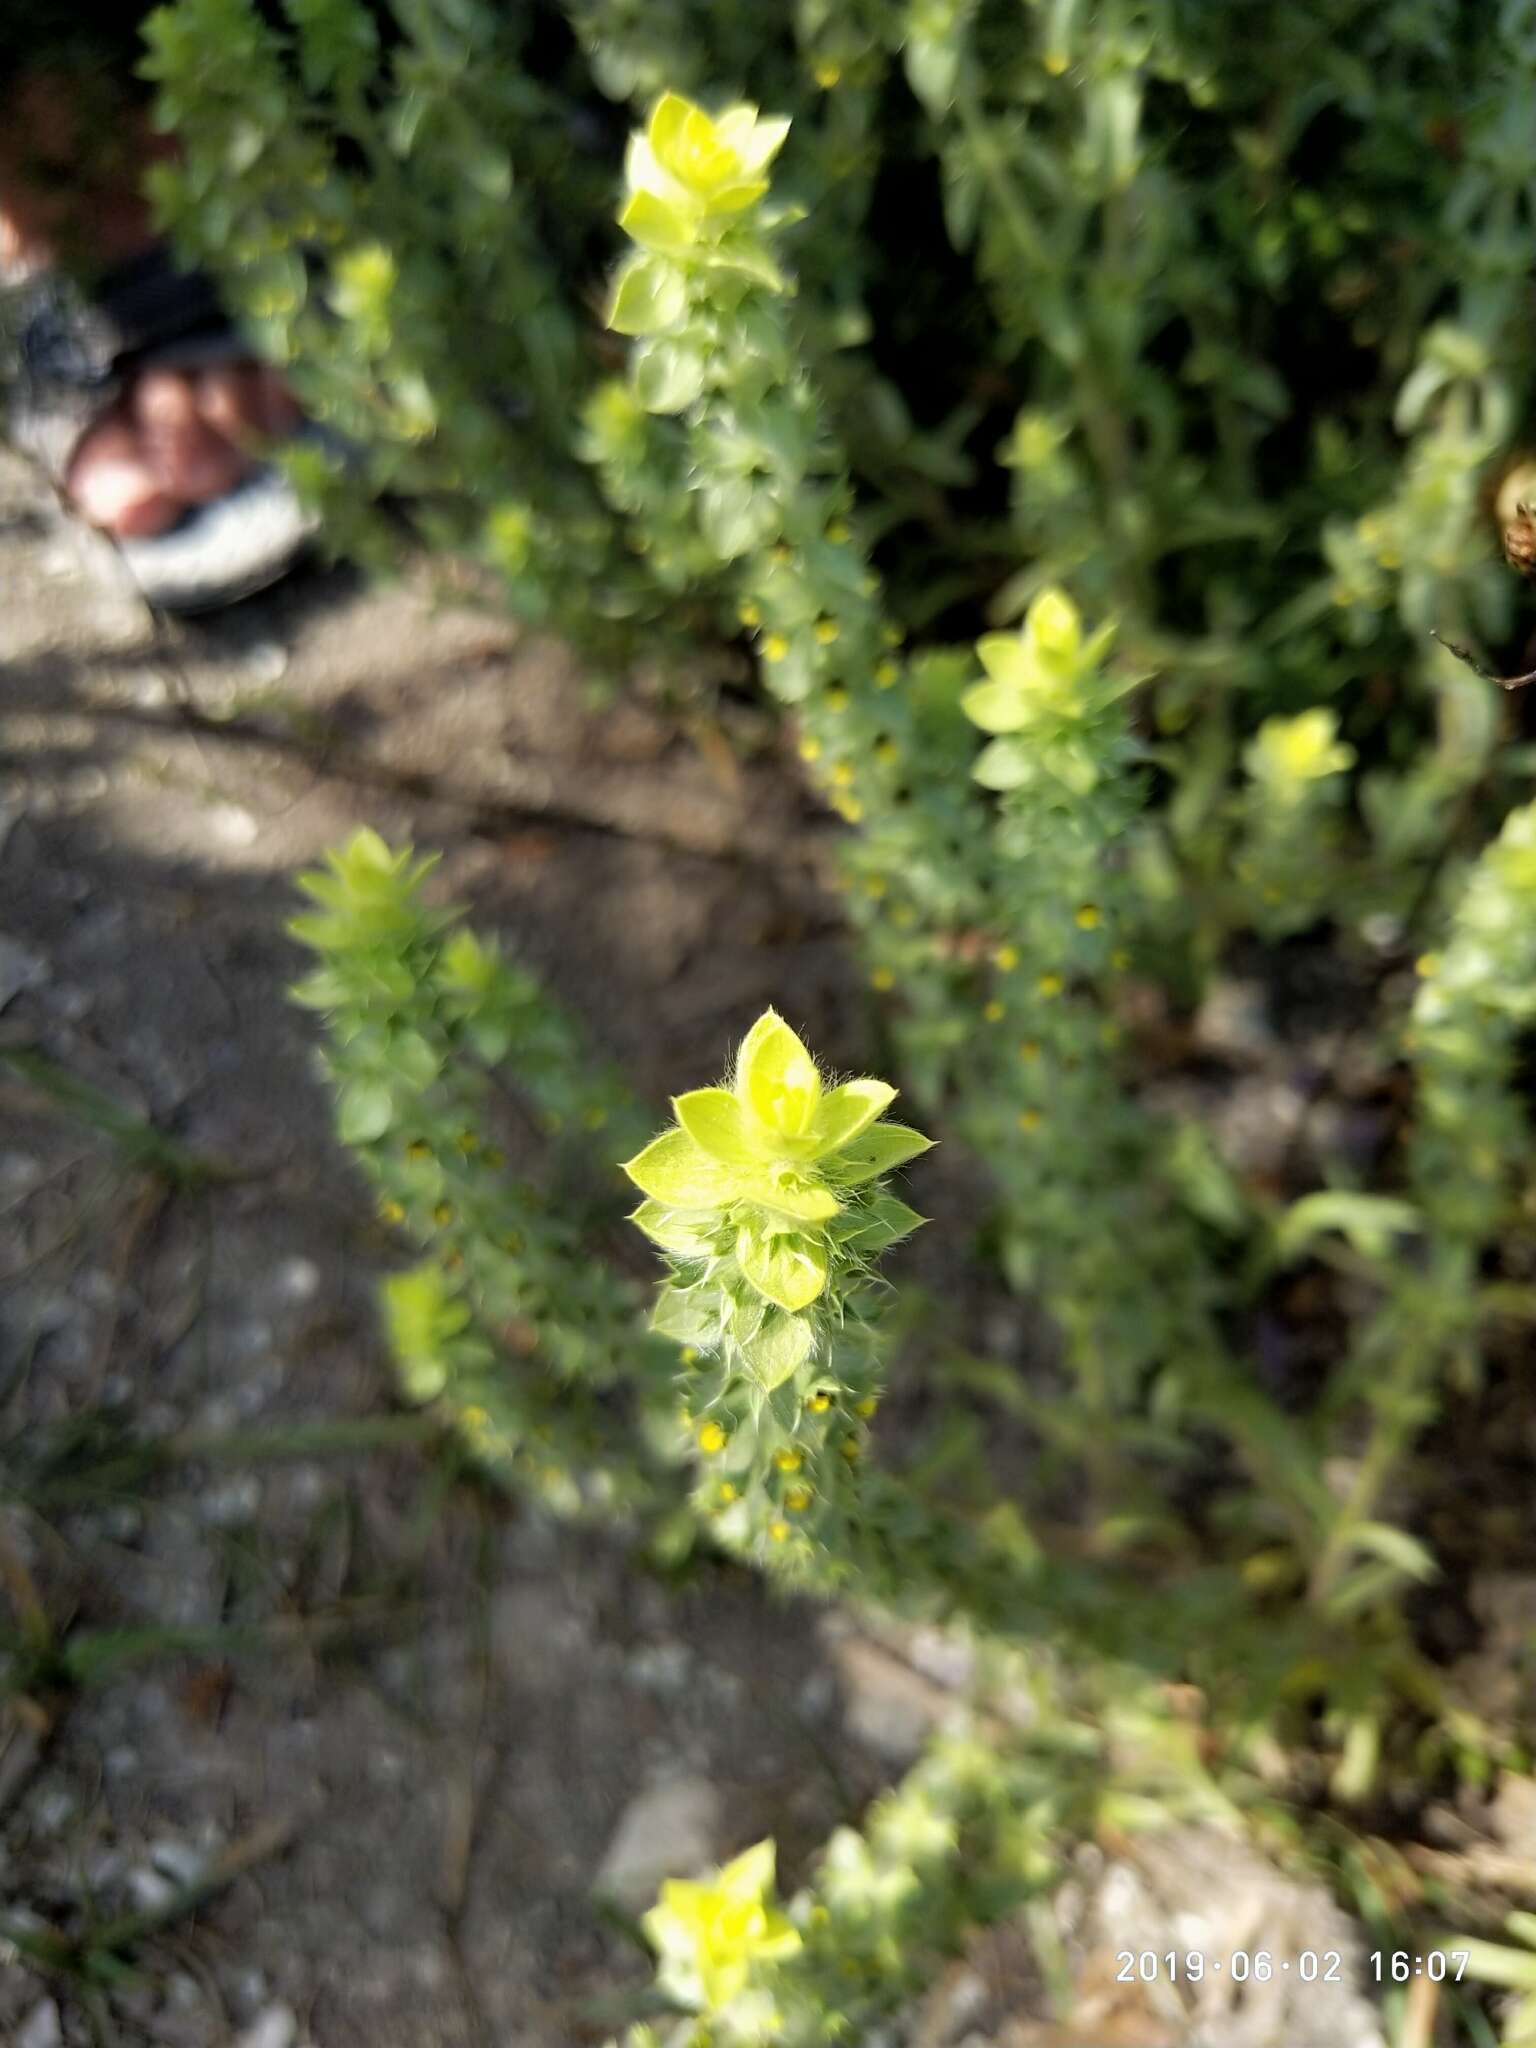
x: 993, y: 1011
x: 849, y: 809
x: 810, y: 748
x: 882, y: 978
x: 1088, y: 917
x: 841, y: 775
x: 726, y: 1493
x: 1050, y: 985
x: 819, y: 1403
x: 1029, y: 1119
x: 1006, y: 957
x: 837, y: 531
x: 849, y: 1448
x: 866, y: 1407
x: 1029, y: 1049
x: 886, y: 675
x: 782, y: 555
x: 1055, y: 61
x: 749, y: 614
x: 442, y: 1215
x: 779, y: 1531
x: 418, y: 1149
x: 1426, y: 965
x: 474, y: 1418
x: 836, y: 700
x: 689, y: 1354
x: 788, y: 1461
x: 711, y: 1438
x: 798, y: 1499
x: 775, y: 647
x: 826, y: 74
x: 892, y: 636
x: 392, y: 1212
x: 887, y: 753
x: 710, y: 1934
x: 827, y: 630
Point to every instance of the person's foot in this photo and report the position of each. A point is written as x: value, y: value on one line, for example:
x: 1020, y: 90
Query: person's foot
x: 176, y: 438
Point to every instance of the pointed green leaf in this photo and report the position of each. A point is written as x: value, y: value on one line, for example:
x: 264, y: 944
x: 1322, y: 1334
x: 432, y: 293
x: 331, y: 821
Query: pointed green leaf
x: 365, y: 1112
x: 877, y: 1151
x: 690, y: 1235
x: 747, y: 1318
x: 674, y: 1170
x: 995, y: 707
x: 886, y: 1222
x: 648, y: 296
x: 843, y: 1113
x: 791, y: 1270
x: 667, y: 375
x: 793, y: 1194
x: 688, y: 1315
x: 747, y: 257
x: 783, y: 1344
x: 1006, y: 764
x: 1396, y: 1547
x: 656, y: 225
x: 718, y: 1125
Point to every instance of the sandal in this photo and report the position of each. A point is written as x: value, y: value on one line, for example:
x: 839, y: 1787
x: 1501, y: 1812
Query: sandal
x: 78, y: 355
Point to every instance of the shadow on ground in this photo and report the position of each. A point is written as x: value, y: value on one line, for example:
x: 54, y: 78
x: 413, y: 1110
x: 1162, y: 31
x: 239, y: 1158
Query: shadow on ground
x: 391, y: 1722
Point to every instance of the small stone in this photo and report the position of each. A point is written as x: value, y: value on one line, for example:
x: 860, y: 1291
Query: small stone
x: 248, y: 1991
x: 535, y: 1637
x: 178, y: 1861
x: 1232, y: 1021
x: 888, y: 1706
x: 276, y: 2027
x: 250, y: 1338
x: 73, y: 1003
x: 661, y: 1668
x: 817, y: 1696
x: 233, y: 1503
x: 234, y: 825
x: 42, y: 2027
x: 19, y: 1173
x: 149, y: 690
x: 85, y: 786
x: 670, y: 1830
x: 53, y: 1807
x: 296, y: 1280
x: 264, y: 663
x: 20, y: 968
x: 151, y: 1889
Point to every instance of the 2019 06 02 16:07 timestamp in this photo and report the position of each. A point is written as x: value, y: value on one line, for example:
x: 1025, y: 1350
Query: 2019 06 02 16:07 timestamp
x: 1308, y: 1966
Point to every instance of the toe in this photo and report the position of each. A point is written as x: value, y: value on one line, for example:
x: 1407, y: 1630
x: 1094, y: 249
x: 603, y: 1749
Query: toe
x: 190, y: 460
x: 247, y: 404
x: 115, y: 487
